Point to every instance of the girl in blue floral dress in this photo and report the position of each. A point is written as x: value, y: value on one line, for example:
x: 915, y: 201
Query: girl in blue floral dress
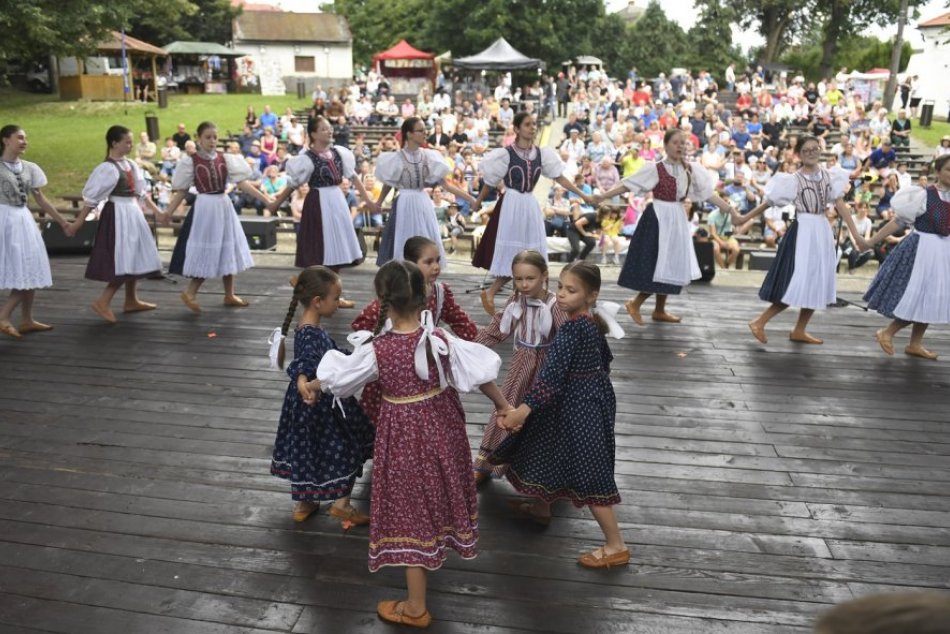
x: 566, y: 449
x: 319, y: 448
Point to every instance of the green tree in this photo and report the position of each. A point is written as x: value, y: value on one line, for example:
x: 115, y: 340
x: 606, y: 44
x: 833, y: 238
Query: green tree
x: 656, y: 43
x: 202, y: 21
x: 378, y: 24
x: 710, y: 39
x: 843, y: 18
x: 777, y: 21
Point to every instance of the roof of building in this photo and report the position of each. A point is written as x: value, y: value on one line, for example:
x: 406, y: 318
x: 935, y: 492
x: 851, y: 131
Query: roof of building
x: 940, y: 20
x: 278, y: 26
x: 113, y: 42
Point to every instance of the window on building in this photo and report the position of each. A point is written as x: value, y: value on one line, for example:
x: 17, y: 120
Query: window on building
x: 304, y: 64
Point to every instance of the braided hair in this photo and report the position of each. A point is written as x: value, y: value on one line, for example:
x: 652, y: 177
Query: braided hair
x: 400, y: 287
x: 313, y: 281
x: 532, y: 258
x: 589, y: 277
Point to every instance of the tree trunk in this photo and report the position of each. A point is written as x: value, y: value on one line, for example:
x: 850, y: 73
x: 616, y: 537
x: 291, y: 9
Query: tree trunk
x: 891, y: 87
x: 829, y: 47
x: 773, y: 27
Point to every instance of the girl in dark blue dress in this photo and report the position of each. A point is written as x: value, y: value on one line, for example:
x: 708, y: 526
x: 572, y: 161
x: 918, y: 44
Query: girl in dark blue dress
x: 566, y: 449
x: 320, y: 449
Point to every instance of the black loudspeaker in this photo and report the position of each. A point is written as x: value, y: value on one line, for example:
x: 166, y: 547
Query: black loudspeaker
x: 261, y: 233
x: 706, y: 259
x: 761, y: 260
x: 58, y: 243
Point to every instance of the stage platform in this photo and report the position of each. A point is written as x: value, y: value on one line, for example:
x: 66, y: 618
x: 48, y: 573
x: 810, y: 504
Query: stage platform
x: 760, y: 483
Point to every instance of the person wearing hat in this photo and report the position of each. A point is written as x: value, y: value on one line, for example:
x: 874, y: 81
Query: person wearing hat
x: 943, y: 147
x: 454, y: 224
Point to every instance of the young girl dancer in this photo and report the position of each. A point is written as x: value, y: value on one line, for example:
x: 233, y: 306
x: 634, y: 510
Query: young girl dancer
x: 532, y: 316
x: 424, y: 499
x: 660, y: 256
x: 124, y: 250
x: 440, y: 301
x: 912, y: 284
x: 516, y: 223
x: 411, y: 169
x: 805, y: 266
x: 211, y: 242
x: 24, y: 266
x: 326, y: 235
x: 566, y: 448
x: 319, y: 450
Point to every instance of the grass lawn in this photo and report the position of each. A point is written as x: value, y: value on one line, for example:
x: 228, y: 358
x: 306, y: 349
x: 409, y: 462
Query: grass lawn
x: 67, y: 138
x: 931, y: 136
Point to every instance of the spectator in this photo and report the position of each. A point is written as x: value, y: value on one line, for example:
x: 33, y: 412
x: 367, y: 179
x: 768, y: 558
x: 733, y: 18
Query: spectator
x: 606, y: 176
x: 268, y: 144
x: 239, y: 199
x: 557, y: 213
x: 181, y: 137
x: 880, y: 160
x: 506, y: 115
x: 943, y: 147
x: 586, y: 229
x: 145, y: 154
x: 250, y: 119
x: 170, y: 155
x: 900, y: 130
x: 455, y: 225
x: 574, y: 145
x: 438, y: 138
x: 271, y: 184
x: 725, y: 246
x: 341, y: 132
x: 776, y: 223
x: 268, y: 119
x: 612, y: 242
x: 296, y: 136
x: 631, y: 161
x: 247, y: 137
x: 296, y: 204
x: 258, y: 156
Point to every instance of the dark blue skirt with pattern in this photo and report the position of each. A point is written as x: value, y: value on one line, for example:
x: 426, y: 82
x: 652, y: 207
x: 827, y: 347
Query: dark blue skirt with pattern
x: 782, y: 268
x: 887, y: 289
x: 642, y: 252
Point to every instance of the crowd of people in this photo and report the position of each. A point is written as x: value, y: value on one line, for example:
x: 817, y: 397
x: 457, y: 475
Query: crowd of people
x: 640, y: 165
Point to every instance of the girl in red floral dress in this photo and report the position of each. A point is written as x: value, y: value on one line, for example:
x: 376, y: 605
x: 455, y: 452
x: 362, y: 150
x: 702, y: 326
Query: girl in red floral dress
x: 423, y: 500
x: 440, y: 301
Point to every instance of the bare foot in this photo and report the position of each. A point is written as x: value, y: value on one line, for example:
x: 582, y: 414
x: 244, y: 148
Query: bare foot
x: 190, y: 302
x: 234, y: 300
x: 488, y: 303
x: 758, y: 331
x: 7, y: 328
x: 665, y: 316
x: 885, y: 340
x: 920, y: 351
x: 633, y: 309
x: 33, y: 326
x: 103, y: 311
x: 137, y: 306
x: 803, y: 337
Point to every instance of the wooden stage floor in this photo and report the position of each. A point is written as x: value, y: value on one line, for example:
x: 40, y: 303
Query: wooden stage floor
x: 760, y: 484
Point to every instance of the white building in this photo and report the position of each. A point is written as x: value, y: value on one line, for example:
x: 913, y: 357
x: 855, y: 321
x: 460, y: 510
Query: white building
x: 932, y: 63
x: 287, y: 48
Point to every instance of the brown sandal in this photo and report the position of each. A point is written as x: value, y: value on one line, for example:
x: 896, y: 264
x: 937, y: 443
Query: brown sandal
x: 350, y: 515
x: 395, y: 612
x: 599, y: 559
